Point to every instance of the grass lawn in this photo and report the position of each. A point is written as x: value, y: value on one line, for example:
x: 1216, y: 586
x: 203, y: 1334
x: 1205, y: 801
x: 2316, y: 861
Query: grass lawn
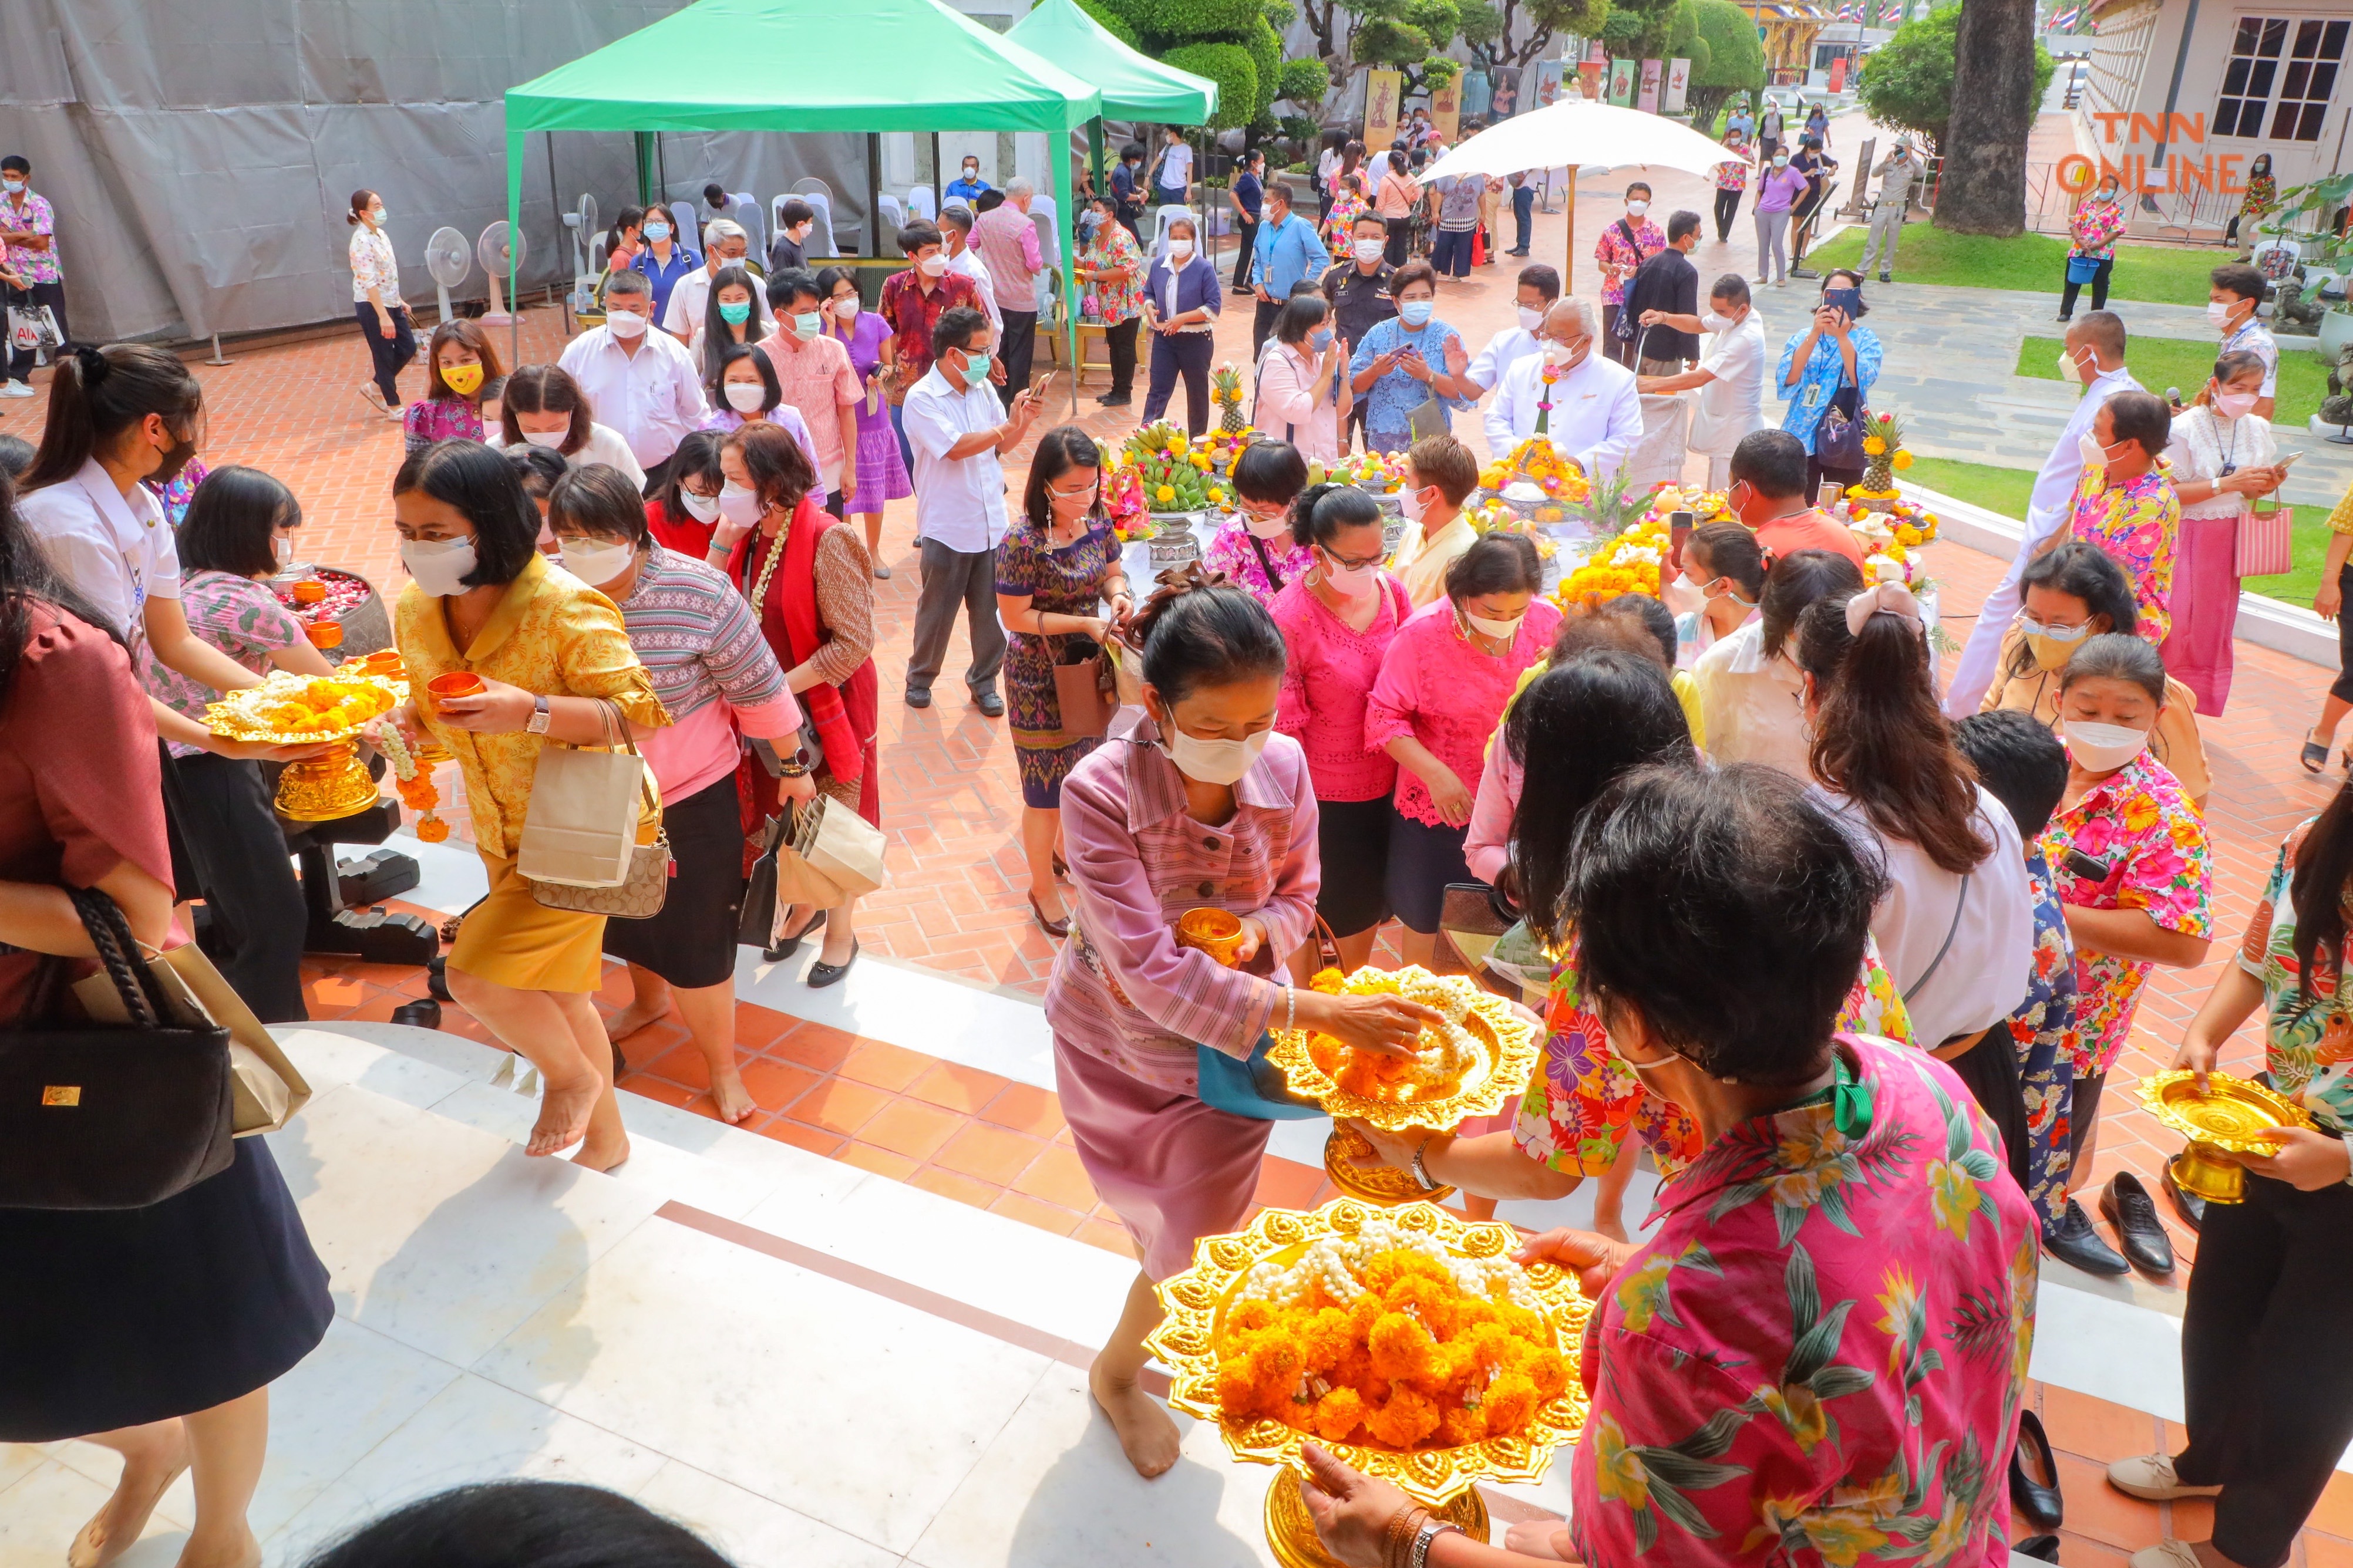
x: 2160, y: 362
x: 2005, y: 490
x: 2036, y: 263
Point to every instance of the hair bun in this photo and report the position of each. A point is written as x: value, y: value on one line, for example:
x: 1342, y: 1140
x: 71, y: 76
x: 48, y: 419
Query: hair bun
x: 95, y: 366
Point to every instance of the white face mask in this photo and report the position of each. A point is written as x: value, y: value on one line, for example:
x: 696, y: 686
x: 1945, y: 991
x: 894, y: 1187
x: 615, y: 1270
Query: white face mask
x: 1637, y: 208
x: 703, y: 509
x: 625, y: 323
x: 2104, y: 748
x: 1352, y: 582
x: 548, y: 438
x: 1411, y: 504
x: 1530, y: 320
x: 596, y: 563
x: 932, y: 265
x: 2236, y: 404
x: 2219, y: 310
x: 746, y: 396
x: 1715, y: 323
x: 1498, y: 629
x: 1368, y: 250
x: 436, y: 565
x: 741, y: 506
x: 846, y: 308
x: 1213, y: 762
x: 2088, y: 447
x: 2069, y: 370
x: 283, y: 548
x: 1180, y: 249
x: 1265, y: 528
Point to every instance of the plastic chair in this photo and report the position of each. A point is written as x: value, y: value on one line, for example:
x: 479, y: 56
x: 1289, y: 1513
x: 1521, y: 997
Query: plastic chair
x: 755, y: 230
x: 1046, y: 216
x: 1164, y: 215
x: 822, y: 241
x: 922, y: 203
x: 894, y: 219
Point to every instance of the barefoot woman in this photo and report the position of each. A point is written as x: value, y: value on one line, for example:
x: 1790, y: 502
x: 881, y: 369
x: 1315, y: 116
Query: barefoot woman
x: 545, y: 645
x: 1195, y: 802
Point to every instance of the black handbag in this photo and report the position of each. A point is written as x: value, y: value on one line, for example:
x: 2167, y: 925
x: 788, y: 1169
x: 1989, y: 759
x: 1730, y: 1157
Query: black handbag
x: 759, y: 916
x: 94, y: 1117
x: 1838, y: 439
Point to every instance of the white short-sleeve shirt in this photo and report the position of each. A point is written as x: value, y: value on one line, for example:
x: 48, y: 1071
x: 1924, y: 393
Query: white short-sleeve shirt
x: 960, y: 501
x: 1733, y: 404
x: 604, y: 445
x: 117, y: 550
x: 690, y: 298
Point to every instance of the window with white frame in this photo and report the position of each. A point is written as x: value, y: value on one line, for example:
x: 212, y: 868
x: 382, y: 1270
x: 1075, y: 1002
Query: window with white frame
x: 2283, y: 69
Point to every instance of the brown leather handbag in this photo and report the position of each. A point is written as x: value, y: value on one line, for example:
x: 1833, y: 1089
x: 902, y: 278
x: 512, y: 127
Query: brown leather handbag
x: 1083, y: 687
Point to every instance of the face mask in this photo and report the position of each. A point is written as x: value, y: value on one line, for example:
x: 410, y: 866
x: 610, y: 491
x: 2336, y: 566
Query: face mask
x: 1501, y: 630
x: 1368, y: 250
x: 735, y: 312
x: 1320, y: 338
x: 846, y: 308
x: 436, y: 565
x: 1715, y: 323
x: 746, y: 396
x: 656, y: 230
x: 972, y: 171
x: 976, y: 369
x: 1780, y: 160
x: 1411, y: 504
x: 14, y: 187
x: 625, y: 323
x: 807, y: 325
x: 2236, y: 404
x: 1416, y: 313
x: 1530, y: 320
x: 464, y: 380
x: 2104, y: 748
x: 1352, y: 582
x: 800, y: 231
x: 739, y: 506
x: 2052, y: 646
x: 1180, y: 249
x: 2219, y: 310
x: 548, y: 438
x: 1273, y: 527
x: 932, y: 265
x: 1635, y: 209
x: 2068, y: 369
x: 1213, y: 762
x: 178, y: 457
x: 375, y: 217
x: 703, y: 509
x: 283, y: 548
x: 597, y: 563
x: 2090, y: 450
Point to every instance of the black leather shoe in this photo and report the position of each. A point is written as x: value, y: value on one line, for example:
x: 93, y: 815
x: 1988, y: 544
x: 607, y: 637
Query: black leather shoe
x: 2034, y: 1475
x: 2188, y: 1206
x: 2072, y: 1239
x: 792, y: 944
x: 822, y: 975
x: 2041, y: 1547
x: 422, y: 1014
x: 990, y: 703
x: 2126, y: 1204
x: 922, y: 698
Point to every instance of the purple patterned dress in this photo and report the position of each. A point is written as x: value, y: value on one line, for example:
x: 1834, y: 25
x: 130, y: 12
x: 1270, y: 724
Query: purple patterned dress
x: 882, y: 473
x: 1065, y: 582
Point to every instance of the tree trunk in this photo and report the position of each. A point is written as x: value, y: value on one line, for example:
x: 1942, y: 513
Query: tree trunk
x: 1983, y: 189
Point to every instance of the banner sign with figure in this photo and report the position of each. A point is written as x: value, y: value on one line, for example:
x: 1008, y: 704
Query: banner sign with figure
x: 1381, y: 92
x: 1446, y: 110
x: 1647, y: 99
x: 1547, y: 83
x: 1622, y: 83
x: 1678, y: 88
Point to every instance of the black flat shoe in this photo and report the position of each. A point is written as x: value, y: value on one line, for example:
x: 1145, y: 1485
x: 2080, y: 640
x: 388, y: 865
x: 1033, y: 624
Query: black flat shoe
x: 2188, y: 1206
x: 918, y: 699
x: 821, y: 976
x: 2126, y: 1206
x: 791, y: 945
x: 2072, y: 1239
x: 2037, y: 1499
x: 990, y: 703
x: 2041, y: 1547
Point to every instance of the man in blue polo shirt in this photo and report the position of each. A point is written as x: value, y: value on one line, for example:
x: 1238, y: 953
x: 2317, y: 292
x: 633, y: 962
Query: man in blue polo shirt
x: 1286, y: 253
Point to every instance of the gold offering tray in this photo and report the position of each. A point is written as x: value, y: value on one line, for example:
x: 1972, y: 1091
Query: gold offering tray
x: 333, y: 784
x: 1508, y: 1050
x: 1196, y: 1302
x: 2226, y: 1118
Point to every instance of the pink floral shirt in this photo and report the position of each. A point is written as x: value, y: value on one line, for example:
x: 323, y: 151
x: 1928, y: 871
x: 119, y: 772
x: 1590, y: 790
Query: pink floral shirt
x: 1819, y: 1356
x: 431, y: 419
x: 30, y: 214
x: 2137, y: 823
x: 2138, y: 524
x: 1435, y: 687
x: 1231, y: 552
x: 2094, y: 227
x: 1732, y: 175
x: 1613, y: 251
x: 1327, y: 683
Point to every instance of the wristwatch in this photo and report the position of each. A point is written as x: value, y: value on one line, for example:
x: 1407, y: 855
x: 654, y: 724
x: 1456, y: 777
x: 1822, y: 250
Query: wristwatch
x: 537, y: 723
x: 1420, y: 1172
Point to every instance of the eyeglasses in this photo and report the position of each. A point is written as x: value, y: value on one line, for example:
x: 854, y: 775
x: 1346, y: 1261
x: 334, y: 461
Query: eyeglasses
x: 1352, y: 563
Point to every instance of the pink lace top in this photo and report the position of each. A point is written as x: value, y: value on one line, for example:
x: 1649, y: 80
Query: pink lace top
x: 1437, y: 687
x: 1327, y: 683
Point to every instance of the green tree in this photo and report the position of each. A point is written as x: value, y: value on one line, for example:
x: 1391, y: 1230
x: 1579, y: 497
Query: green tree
x: 1231, y: 68
x: 1735, y: 60
x: 2001, y: 71
x: 1406, y: 36
x: 1231, y: 42
x: 1489, y: 29
x: 1907, y: 82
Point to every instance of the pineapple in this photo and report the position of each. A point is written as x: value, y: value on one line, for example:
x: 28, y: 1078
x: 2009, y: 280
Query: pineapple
x: 1226, y: 389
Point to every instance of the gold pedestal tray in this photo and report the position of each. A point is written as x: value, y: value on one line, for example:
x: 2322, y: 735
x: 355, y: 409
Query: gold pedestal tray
x: 1383, y: 1184
x: 1291, y: 1529
x: 2228, y: 1118
x: 1195, y: 1300
x: 335, y: 784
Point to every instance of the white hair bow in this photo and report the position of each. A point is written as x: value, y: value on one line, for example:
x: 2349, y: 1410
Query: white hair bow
x: 1884, y: 598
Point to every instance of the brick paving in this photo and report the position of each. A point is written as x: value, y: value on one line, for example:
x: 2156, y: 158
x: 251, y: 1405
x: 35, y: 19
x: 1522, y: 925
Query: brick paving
x: 950, y: 807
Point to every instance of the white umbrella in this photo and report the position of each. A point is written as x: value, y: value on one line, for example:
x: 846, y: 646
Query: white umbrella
x: 1576, y: 133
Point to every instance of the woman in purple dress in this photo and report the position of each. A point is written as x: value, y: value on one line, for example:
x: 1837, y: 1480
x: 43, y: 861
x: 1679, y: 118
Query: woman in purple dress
x: 882, y: 472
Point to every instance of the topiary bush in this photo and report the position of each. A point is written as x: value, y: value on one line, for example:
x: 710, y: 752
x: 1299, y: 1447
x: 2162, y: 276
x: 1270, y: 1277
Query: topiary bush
x: 1306, y: 83
x: 1117, y: 24
x: 1193, y: 19
x: 1232, y: 69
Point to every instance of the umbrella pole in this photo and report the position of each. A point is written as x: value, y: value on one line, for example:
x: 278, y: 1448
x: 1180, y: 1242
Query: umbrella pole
x: 1568, y: 255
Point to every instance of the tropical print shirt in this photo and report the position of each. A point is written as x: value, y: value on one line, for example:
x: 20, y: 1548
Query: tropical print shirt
x: 1123, y: 300
x: 2139, y: 824
x: 1819, y: 384
x: 1585, y: 1100
x: 238, y: 615
x: 1614, y: 251
x: 2042, y: 1031
x: 1732, y: 175
x: 2308, y: 1041
x: 1819, y: 1356
x: 913, y: 311
x: 30, y: 214
x: 2094, y: 227
x: 2138, y: 524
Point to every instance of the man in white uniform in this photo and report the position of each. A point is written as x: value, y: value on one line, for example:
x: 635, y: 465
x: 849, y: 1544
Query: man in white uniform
x: 2095, y: 357
x: 1539, y: 288
x: 1595, y: 415
x: 1730, y: 375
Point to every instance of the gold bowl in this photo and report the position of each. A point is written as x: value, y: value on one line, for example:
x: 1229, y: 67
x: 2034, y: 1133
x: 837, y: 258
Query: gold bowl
x: 1196, y: 1301
x: 335, y: 784
x: 2228, y: 1118
x: 1218, y: 933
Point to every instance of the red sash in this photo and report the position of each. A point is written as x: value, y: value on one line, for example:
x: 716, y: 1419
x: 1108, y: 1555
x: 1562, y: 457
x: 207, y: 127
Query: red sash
x: 845, y: 715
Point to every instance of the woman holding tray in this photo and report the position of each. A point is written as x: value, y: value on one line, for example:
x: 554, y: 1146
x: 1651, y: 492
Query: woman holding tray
x: 1194, y: 801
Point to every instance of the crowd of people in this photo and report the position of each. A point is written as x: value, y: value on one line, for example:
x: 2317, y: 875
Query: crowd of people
x: 1847, y: 948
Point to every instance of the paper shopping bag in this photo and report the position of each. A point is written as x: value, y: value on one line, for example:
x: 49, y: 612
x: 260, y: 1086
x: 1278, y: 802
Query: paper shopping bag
x: 266, y: 1087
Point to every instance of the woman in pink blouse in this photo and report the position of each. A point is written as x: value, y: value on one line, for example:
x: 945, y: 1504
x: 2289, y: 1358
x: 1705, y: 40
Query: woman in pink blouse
x: 1442, y: 687
x: 1337, y: 620
x: 1192, y: 803
x: 1253, y: 549
x: 1304, y: 391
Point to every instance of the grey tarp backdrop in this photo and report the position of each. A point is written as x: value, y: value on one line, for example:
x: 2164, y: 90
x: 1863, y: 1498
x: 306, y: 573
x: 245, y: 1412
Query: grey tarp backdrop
x: 201, y: 154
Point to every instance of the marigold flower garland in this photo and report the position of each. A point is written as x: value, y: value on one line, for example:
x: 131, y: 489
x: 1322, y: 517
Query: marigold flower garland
x: 1433, y: 1071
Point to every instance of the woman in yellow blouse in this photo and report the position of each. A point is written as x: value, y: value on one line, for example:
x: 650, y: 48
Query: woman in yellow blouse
x: 484, y: 600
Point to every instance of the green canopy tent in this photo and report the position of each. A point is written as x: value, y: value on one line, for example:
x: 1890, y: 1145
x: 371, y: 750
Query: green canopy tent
x: 811, y: 66
x: 1134, y: 86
